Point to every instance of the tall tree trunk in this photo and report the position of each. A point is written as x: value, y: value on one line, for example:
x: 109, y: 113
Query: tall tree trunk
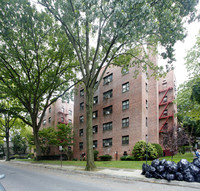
x: 37, y: 145
x: 89, y: 135
x: 7, y: 145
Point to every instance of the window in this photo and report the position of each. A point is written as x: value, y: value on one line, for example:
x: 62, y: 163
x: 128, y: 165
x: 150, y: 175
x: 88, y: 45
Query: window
x: 81, y: 119
x: 107, y: 95
x: 165, y: 99
x: 125, y: 122
x: 125, y: 104
x: 62, y: 109
x: 49, y: 119
x: 95, y: 129
x: 95, y: 144
x: 125, y: 87
x: 164, y: 83
x: 107, y: 79
x: 82, y: 93
x: 107, y: 142
x: 50, y: 110
x: 125, y: 140
x: 165, y: 112
x: 107, y: 126
x: 44, y: 121
x: 95, y: 114
x: 146, y: 87
x: 81, y: 145
x: 146, y: 122
x: 95, y: 101
x: 107, y: 110
x: 81, y: 106
x: 62, y: 119
x: 125, y: 71
x: 70, y: 112
x: 146, y: 104
x: 69, y: 121
x: 80, y: 132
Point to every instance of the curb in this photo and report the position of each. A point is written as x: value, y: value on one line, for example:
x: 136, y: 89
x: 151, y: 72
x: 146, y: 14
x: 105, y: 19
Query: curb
x: 112, y: 173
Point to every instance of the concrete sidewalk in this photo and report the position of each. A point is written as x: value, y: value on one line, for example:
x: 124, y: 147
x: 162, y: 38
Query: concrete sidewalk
x: 121, y: 174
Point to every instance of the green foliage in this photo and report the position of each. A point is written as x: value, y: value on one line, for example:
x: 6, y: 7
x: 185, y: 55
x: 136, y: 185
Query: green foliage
x: 181, y: 150
x: 105, y: 157
x: 30, y: 155
x: 96, y: 154
x: 19, y: 144
x: 139, y: 151
x: 65, y: 135
x: 127, y: 158
x: 159, y: 149
x: 47, y: 138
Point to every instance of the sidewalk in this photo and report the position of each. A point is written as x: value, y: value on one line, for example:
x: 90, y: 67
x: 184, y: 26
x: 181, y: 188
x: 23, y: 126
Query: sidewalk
x: 122, y: 174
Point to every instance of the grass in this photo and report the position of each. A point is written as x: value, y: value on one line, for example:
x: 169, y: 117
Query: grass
x: 115, y: 164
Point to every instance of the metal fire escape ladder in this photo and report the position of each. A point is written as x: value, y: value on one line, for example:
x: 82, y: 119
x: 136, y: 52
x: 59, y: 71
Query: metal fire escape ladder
x: 166, y: 105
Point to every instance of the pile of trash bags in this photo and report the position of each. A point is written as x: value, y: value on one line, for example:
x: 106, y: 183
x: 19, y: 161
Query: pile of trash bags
x: 183, y: 170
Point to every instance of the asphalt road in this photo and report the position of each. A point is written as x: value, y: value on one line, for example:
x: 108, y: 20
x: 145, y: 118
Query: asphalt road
x: 28, y: 178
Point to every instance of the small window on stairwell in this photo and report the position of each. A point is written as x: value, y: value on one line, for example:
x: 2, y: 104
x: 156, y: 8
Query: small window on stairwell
x: 63, y: 109
x: 165, y: 99
x: 165, y: 112
x: 62, y: 119
x: 164, y: 83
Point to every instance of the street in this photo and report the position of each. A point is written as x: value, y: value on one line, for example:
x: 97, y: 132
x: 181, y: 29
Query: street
x: 30, y: 178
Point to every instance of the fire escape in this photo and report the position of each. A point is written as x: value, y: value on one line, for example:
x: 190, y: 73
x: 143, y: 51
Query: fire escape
x: 165, y: 115
x: 62, y: 117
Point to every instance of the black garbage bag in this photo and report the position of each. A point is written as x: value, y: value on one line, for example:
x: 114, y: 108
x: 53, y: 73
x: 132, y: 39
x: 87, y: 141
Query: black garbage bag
x: 164, y: 175
x: 194, y: 170
x: 148, y: 175
x: 145, y: 167
x: 179, y: 176
x: 188, y: 177
x: 196, y: 162
x: 157, y: 175
x: 197, y: 177
x: 160, y: 168
x: 151, y: 169
x: 168, y: 164
x: 155, y: 163
x: 173, y: 168
x: 170, y: 176
x: 182, y: 165
x: 163, y: 161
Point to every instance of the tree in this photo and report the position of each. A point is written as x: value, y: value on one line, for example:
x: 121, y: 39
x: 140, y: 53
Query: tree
x: 36, y: 62
x: 65, y: 137
x: 109, y: 32
x: 19, y: 144
x: 48, y: 138
x: 7, y: 121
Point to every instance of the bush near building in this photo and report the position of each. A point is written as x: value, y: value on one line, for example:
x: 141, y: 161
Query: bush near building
x: 159, y: 149
x: 139, y: 151
x: 105, y: 157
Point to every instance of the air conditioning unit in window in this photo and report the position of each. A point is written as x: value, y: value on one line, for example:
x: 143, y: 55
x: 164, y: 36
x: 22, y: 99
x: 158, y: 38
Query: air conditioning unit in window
x: 107, y: 112
x: 94, y: 102
x: 94, y: 146
x: 81, y: 134
x: 94, y: 131
x: 106, y: 144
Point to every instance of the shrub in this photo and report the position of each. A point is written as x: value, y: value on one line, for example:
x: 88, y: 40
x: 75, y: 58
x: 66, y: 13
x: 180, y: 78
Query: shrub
x: 159, y: 149
x: 139, y: 151
x: 96, y: 154
x: 105, y: 157
x: 30, y: 155
x: 181, y: 150
x: 16, y: 156
x: 123, y: 158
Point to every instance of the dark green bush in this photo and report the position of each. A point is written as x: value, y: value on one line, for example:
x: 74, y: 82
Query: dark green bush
x: 130, y: 158
x: 181, y: 150
x: 159, y: 149
x: 96, y: 155
x: 139, y: 151
x: 105, y: 157
x: 30, y: 155
x: 123, y: 158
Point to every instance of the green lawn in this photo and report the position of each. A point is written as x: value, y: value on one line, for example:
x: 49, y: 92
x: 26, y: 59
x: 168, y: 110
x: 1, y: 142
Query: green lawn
x: 117, y: 164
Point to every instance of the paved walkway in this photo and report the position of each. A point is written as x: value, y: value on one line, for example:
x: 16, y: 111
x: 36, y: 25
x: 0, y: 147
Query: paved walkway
x: 122, y: 174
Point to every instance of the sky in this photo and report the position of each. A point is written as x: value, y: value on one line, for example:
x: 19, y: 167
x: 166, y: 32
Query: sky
x: 181, y: 51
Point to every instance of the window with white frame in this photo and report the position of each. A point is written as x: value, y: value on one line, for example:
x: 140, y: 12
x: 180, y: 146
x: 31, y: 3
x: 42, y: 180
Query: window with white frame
x: 95, y: 129
x: 81, y: 145
x: 107, y: 110
x: 107, y: 95
x: 95, y: 100
x: 95, y: 114
x: 95, y: 144
x: 81, y: 119
x: 80, y: 132
x: 125, y: 87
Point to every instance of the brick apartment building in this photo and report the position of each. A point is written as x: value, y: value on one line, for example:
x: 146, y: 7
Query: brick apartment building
x: 58, y: 112
x: 125, y: 111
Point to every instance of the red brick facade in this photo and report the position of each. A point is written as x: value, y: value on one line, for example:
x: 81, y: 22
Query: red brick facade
x: 126, y: 111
